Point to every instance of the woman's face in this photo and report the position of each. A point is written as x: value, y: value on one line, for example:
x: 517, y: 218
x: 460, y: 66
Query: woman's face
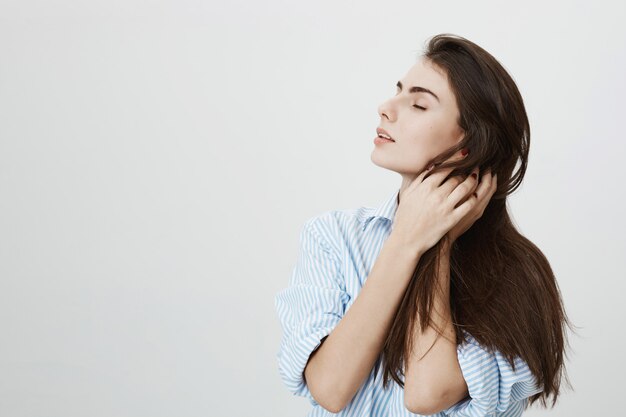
x: 420, y: 134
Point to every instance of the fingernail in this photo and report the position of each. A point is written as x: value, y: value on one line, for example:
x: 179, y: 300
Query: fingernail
x: 464, y: 151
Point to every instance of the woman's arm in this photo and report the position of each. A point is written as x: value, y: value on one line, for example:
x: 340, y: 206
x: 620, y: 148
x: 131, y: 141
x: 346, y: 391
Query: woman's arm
x: 435, y: 382
x: 340, y: 365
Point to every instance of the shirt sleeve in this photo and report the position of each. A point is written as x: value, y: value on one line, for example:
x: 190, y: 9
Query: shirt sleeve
x: 310, y: 307
x: 494, y: 387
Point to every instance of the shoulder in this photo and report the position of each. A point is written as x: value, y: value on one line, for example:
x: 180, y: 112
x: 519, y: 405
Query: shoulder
x: 337, y: 228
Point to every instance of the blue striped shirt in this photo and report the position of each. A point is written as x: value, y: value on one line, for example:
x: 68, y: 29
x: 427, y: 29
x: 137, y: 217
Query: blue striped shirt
x: 337, y: 251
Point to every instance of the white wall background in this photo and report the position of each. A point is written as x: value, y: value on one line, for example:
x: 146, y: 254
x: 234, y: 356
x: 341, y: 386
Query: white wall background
x: 158, y: 158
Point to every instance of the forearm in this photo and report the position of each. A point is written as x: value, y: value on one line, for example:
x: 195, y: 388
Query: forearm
x: 429, y: 372
x: 338, y: 368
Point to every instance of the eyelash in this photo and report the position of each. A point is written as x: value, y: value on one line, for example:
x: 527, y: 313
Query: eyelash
x: 415, y: 105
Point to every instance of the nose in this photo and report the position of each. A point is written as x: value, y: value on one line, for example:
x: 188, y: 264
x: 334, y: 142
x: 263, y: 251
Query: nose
x: 386, y: 110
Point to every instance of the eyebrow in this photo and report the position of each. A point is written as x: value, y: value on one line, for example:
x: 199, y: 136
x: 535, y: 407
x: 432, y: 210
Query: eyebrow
x: 418, y: 89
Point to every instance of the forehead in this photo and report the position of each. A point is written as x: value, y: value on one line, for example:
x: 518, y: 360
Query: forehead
x: 425, y: 74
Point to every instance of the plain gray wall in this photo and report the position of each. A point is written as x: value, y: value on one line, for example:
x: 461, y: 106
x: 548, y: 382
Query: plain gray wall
x: 158, y: 158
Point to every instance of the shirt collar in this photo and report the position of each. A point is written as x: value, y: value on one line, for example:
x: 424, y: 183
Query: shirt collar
x: 385, y: 210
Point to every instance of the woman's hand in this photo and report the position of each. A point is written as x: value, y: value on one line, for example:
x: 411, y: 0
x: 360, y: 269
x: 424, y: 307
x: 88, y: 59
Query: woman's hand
x: 429, y: 208
x: 482, y: 194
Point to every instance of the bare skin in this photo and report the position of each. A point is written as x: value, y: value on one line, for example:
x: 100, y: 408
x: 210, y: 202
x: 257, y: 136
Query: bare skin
x: 428, y: 210
x: 338, y: 368
x: 433, y: 377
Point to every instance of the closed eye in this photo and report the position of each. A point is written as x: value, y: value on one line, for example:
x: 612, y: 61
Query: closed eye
x: 419, y: 107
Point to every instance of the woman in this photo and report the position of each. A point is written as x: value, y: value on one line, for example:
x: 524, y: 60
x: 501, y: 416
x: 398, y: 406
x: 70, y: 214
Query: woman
x: 435, y: 288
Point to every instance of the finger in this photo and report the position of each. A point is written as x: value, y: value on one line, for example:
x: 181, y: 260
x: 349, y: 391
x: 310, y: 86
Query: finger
x: 491, y: 190
x: 451, y: 183
x: 495, y: 183
x: 486, y: 183
x: 459, y: 213
x: 477, y: 182
x: 420, y: 177
x: 463, y: 190
x: 472, y: 192
x: 437, y: 177
x: 485, y: 190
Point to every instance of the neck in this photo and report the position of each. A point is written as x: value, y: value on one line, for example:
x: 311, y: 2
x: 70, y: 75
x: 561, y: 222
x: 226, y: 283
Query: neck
x: 407, y: 179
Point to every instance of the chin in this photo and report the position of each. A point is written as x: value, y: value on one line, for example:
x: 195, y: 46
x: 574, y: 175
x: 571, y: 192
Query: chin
x: 383, y: 161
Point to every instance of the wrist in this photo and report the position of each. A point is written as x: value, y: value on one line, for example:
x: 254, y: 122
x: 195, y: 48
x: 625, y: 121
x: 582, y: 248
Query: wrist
x: 403, y: 247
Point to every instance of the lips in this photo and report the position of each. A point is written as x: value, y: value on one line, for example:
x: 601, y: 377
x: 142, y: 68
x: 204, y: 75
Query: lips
x: 380, y: 131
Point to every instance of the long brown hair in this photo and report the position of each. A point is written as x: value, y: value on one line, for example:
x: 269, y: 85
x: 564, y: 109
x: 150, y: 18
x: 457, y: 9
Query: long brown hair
x: 502, y: 288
